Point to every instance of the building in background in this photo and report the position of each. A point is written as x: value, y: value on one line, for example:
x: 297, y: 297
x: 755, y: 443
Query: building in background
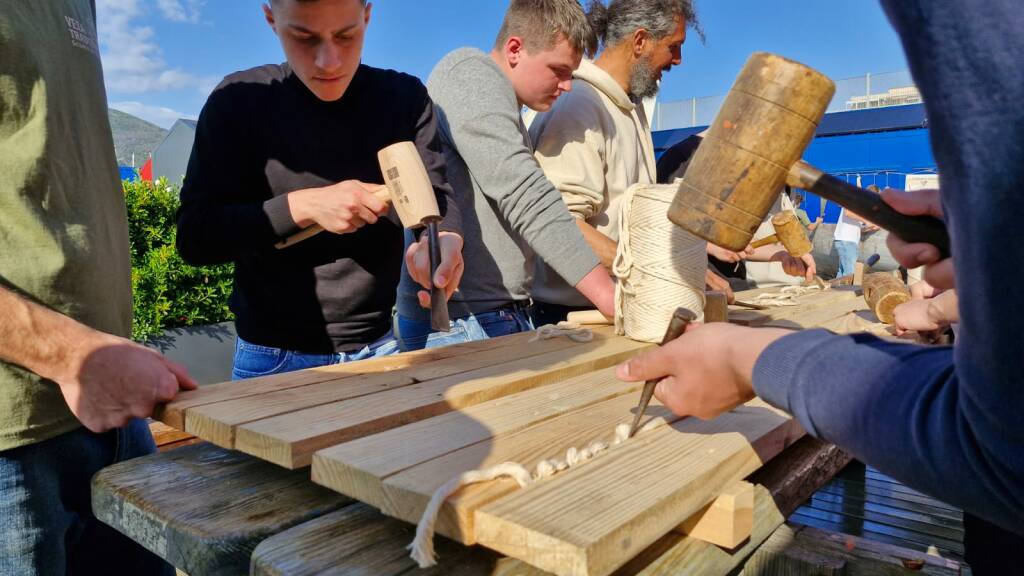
x: 170, y: 159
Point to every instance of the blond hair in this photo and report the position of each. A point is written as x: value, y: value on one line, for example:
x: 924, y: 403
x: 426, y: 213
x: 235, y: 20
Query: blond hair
x: 541, y: 23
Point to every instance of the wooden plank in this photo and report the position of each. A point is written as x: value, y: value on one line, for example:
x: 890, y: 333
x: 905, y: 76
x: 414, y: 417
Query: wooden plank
x: 173, y: 413
x: 806, y: 303
x: 291, y: 439
x: 360, y: 540
x: 204, y: 509
x: 728, y: 520
x: 400, y: 489
x: 779, y: 488
x: 217, y: 422
x: 633, y: 494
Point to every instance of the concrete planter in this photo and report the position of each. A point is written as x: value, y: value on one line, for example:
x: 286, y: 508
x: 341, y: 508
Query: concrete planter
x: 207, y: 351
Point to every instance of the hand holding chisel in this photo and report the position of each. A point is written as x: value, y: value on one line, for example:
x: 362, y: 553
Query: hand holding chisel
x: 681, y: 318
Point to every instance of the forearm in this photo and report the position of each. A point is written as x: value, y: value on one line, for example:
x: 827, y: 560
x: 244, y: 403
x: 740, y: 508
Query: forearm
x: 603, y: 246
x: 769, y: 253
x: 35, y: 337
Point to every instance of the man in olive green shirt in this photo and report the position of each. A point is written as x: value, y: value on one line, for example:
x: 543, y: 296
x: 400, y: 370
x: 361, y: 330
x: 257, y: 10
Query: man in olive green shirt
x: 65, y: 301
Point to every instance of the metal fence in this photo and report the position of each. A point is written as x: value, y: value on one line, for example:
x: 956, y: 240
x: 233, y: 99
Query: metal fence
x: 858, y: 93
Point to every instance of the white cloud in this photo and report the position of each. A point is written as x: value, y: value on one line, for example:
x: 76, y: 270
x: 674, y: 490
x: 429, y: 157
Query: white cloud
x: 159, y: 115
x: 179, y: 11
x: 132, y: 60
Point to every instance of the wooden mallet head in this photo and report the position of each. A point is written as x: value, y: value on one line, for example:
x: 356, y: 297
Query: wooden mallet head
x: 767, y: 120
x: 412, y: 194
x: 753, y: 148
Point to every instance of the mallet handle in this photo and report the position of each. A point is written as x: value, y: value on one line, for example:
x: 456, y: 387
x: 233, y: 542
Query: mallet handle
x: 871, y: 206
x: 310, y: 231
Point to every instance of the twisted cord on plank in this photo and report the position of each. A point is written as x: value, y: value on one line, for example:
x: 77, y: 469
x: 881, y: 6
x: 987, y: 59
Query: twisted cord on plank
x: 422, y: 547
x: 786, y: 296
x: 659, y: 266
x: 570, y: 330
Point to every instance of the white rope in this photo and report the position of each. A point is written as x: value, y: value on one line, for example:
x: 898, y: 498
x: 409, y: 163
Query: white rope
x: 570, y: 330
x: 787, y: 296
x: 422, y: 547
x: 660, y: 266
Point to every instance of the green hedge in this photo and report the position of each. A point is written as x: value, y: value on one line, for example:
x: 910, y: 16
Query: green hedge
x: 168, y: 292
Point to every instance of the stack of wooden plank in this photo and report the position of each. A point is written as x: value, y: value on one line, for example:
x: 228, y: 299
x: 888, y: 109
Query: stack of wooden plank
x: 390, y: 431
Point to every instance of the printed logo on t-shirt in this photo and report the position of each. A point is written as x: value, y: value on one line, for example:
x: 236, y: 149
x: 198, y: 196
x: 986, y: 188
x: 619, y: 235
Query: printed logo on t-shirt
x: 81, y: 37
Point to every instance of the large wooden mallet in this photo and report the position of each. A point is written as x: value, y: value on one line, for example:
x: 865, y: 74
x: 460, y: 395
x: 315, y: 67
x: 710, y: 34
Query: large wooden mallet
x: 411, y: 194
x: 753, y: 148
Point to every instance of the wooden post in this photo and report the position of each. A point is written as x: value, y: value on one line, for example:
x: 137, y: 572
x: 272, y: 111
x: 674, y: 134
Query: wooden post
x: 727, y: 521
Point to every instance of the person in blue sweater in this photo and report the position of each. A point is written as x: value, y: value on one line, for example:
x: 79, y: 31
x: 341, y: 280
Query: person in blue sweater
x: 944, y: 420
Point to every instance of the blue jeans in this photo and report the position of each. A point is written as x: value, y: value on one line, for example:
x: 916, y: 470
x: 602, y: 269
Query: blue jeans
x: 416, y: 335
x: 848, y: 252
x: 253, y: 360
x: 46, y: 522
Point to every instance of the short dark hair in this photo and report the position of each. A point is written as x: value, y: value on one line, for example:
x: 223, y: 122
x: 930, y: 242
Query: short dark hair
x: 621, y: 18
x: 540, y: 23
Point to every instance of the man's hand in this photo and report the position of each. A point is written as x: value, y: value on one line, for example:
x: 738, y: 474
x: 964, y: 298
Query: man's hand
x: 726, y: 255
x: 107, y: 380
x: 340, y: 208
x: 793, y: 266
x: 916, y: 315
x: 714, y: 282
x: 707, y: 371
x: 938, y: 272
x: 449, y: 271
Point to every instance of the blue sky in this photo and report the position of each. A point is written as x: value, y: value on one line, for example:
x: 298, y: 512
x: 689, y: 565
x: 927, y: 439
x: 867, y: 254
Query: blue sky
x: 162, y: 57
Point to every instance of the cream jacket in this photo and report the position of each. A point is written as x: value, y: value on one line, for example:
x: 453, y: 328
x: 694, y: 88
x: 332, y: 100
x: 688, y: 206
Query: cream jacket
x: 593, y: 145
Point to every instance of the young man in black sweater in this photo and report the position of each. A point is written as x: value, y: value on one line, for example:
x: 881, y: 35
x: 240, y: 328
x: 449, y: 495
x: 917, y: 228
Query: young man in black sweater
x: 282, y: 147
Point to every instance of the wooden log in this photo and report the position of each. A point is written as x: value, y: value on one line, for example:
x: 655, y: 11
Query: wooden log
x: 883, y: 293
x: 204, y: 509
x: 173, y: 413
x: 716, y: 307
x: 291, y: 439
x: 798, y: 550
x: 359, y: 468
x: 635, y: 494
x: 403, y: 490
x: 219, y: 421
x: 727, y: 521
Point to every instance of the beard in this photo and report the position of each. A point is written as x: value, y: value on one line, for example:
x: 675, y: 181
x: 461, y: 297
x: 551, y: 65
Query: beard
x: 643, y: 79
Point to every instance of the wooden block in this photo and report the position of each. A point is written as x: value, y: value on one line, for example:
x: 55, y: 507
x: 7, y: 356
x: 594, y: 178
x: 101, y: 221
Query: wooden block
x: 173, y: 413
x: 291, y: 439
x: 858, y: 273
x: 716, y: 307
x: 727, y: 521
x: 218, y: 422
x: 403, y: 491
x: 204, y: 509
x: 164, y: 435
x: 589, y: 317
x: 592, y: 518
x: 806, y: 303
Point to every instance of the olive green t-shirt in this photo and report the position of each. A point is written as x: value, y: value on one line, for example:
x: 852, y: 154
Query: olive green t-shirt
x: 63, y: 229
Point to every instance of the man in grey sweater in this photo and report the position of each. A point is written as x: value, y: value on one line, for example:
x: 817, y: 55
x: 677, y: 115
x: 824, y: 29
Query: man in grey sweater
x: 511, y: 212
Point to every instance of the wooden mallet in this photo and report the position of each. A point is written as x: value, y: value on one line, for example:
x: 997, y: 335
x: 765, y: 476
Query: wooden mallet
x: 411, y: 194
x: 789, y: 232
x: 753, y: 148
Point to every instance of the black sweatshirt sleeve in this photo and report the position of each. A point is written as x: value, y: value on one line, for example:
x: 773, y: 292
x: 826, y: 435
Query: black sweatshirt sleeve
x: 222, y: 216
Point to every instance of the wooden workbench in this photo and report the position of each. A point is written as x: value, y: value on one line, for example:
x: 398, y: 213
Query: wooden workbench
x: 209, y: 510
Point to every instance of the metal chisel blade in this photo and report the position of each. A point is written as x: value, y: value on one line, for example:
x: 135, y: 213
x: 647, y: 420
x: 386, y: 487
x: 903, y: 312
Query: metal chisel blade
x: 438, y: 303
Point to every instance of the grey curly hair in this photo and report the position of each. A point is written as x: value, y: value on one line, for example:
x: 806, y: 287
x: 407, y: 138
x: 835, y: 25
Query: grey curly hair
x: 621, y: 18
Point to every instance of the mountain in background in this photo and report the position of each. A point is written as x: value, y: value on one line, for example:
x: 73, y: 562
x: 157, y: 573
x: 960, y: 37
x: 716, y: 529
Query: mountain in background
x: 134, y: 135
